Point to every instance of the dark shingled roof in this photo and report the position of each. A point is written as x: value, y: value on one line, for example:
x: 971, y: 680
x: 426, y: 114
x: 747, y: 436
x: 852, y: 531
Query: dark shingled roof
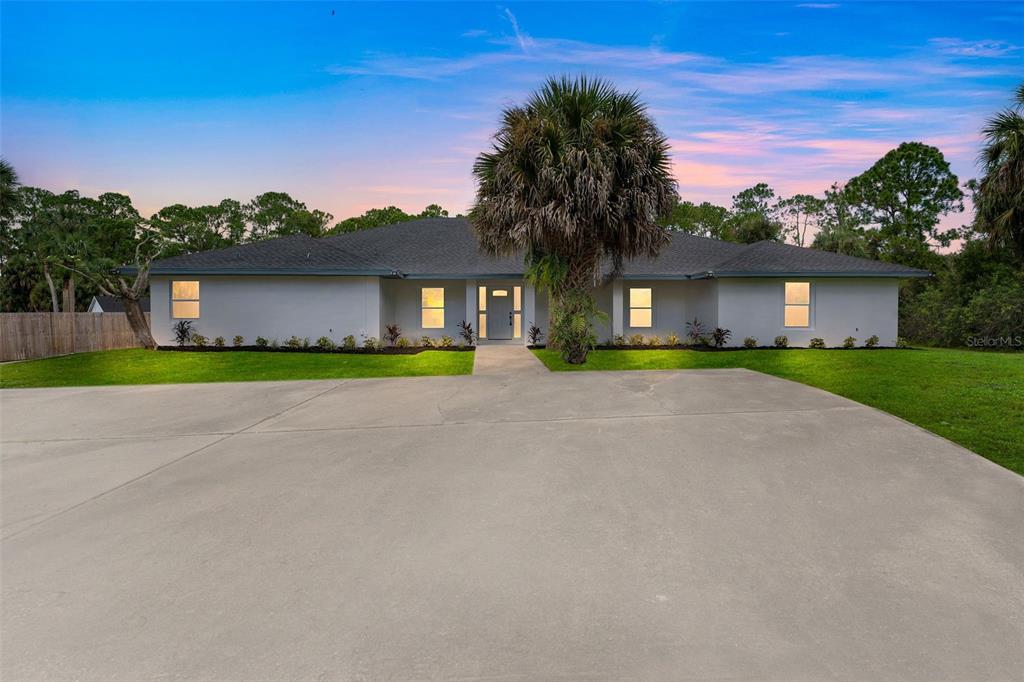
x: 447, y: 247
x: 112, y: 304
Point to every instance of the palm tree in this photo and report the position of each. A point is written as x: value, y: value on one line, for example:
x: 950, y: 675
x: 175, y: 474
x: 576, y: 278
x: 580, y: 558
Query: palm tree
x: 9, y: 199
x: 1000, y: 195
x: 577, y: 179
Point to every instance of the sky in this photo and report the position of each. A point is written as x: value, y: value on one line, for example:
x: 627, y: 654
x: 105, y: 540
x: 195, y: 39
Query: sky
x: 348, y: 106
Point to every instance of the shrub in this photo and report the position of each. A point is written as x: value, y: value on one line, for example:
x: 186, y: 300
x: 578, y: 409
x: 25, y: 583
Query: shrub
x: 695, y: 330
x: 349, y: 342
x: 219, y: 342
x: 872, y: 341
x: 370, y: 343
x: 182, y: 332
x: 198, y: 340
x: 293, y: 342
x: 238, y: 340
x: 619, y: 340
x: 672, y: 339
x: 403, y: 342
x: 392, y: 332
x: 849, y: 342
x: 325, y: 343
x: 273, y: 343
x: 720, y: 336
x: 750, y: 342
x: 782, y: 341
x: 654, y: 341
x: 446, y: 341
x: 534, y: 334
x: 262, y: 342
x: 426, y: 342
x: 816, y: 342
x: 305, y: 342
x: 636, y: 339
x: 466, y: 333
x: 902, y: 342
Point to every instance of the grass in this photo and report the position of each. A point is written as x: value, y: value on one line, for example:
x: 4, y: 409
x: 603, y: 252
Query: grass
x: 973, y: 398
x: 139, y: 366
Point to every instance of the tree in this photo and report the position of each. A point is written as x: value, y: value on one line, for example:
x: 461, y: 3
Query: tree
x: 10, y: 198
x: 390, y: 215
x: 188, y: 229
x: 999, y: 198
x: 800, y: 213
x: 839, y: 229
x: 754, y: 216
x: 578, y: 177
x: 703, y: 220
x: 903, y: 195
x: 275, y: 214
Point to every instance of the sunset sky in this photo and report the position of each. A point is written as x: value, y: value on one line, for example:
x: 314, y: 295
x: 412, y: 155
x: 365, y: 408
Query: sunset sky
x: 348, y: 106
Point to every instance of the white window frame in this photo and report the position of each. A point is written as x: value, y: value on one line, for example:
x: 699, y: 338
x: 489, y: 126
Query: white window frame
x: 649, y: 307
x: 175, y: 298
x: 809, y: 305
x: 424, y: 307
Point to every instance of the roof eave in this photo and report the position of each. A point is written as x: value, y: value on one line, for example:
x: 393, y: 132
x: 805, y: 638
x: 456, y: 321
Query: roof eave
x: 903, y: 274
x: 265, y: 272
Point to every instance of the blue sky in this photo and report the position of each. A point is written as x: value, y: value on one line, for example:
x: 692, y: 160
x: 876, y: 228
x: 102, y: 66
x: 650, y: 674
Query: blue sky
x: 389, y: 103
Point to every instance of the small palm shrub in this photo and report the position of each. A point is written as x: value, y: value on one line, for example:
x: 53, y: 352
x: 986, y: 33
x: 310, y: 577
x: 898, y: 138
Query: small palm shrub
x: 219, y: 342
x: 695, y: 330
x: 534, y: 334
x: 902, y: 342
x: 392, y: 332
x: 672, y: 339
x: 872, y: 341
x: 238, y: 340
x: 619, y: 340
x: 720, y: 336
x: 782, y: 341
x: 816, y: 342
x: 325, y: 343
x: 293, y: 342
x: 349, y: 342
x: 654, y: 341
x: 370, y: 343
x: 198, y: 340
x: 849, y: 342
x: 750, y: 342
x: 273, y: 343
x: 636, y: 339
x: 403, y: 342
x: 182, y: 332
x: 305, y: 342
x: 261, y: 342
x: 426, y: 342
x: 466, y: 333
x: 446, y: 341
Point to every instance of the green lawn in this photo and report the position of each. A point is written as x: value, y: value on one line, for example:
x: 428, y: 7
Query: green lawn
x: 973, y: 398
x: 139, y: 366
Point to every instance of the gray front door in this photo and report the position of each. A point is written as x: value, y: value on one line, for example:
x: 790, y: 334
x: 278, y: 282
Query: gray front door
x: 499, y: 313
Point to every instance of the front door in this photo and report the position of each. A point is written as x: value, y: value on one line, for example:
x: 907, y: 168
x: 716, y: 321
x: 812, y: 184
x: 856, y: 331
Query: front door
x: 499, y: 313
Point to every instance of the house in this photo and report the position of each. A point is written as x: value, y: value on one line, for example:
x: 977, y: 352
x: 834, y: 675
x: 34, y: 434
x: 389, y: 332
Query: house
x: 428, y: 275
x: 112, y: 304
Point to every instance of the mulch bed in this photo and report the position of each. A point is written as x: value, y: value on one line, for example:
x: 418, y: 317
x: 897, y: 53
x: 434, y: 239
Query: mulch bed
x: 390, y: 350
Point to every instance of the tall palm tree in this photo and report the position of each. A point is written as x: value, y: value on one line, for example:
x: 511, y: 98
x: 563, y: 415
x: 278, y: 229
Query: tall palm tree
x: 577, y: 179
x: 1000, y: 196
x: 9, y: 183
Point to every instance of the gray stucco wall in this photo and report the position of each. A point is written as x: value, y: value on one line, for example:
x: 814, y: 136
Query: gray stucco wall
x: 674, y: 303
x: 402, y: 300
x: 274, y: 307
x: 840, y: 307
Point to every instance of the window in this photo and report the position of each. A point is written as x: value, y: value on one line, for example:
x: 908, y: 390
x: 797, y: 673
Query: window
x: 432, y: 302
x: 185, y: 300
x: 640, y: 308
x: 517, y: 315
x: 798, y: 304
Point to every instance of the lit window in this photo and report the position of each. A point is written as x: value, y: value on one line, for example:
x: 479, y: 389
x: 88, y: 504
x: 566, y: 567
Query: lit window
x: 185, y: 300
x: 517, y: 298
x: 640, y: 308
x: 499, y: 292
x: 432, y: 301
x: 482, y: 297
x: 483, y: 325
x: 798, y: 304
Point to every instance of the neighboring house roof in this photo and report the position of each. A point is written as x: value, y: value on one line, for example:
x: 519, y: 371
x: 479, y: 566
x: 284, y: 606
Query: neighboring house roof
x: 111, y: 304
x: 447, y: 248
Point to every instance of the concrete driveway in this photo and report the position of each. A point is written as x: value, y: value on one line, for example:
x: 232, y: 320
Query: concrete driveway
x: 676, y: 525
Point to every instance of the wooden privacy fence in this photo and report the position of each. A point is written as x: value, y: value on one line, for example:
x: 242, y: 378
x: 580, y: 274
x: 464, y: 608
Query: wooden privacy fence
x: 24, y: 336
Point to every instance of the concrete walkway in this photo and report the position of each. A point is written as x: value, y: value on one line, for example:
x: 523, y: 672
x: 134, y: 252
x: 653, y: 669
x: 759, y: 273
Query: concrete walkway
x: 506, y: 360
x: 717, y: 524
